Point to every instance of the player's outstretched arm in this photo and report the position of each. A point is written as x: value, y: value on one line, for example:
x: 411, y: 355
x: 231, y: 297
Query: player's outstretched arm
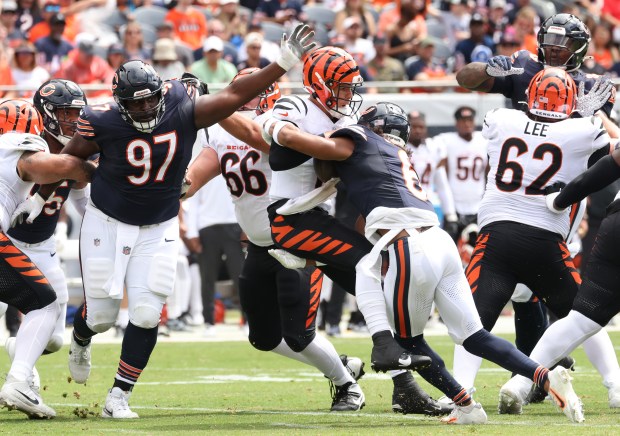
x: 473, y: 76
x: 211, y: 108
x: 288, y: 135
x: 44, y: 168
x: 204, y: 168
x: 246, y: 130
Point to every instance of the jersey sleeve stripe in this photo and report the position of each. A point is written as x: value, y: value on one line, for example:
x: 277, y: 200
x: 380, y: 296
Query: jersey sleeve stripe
x: 288, y: 103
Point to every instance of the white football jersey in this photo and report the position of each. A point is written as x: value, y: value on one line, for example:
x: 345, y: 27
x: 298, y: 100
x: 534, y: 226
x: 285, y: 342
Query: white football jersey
x: 14, y: 190
x: 467, y: 163
x: 309, y: 118
x: 526, y: 156
x: 248, y: 177
x: 425, y: 158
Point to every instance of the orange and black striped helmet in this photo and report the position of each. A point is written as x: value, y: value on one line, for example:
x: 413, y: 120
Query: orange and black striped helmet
x: 552, y: 94
x: 19, y: 116
x: 266, y: 99
x: 332, y: 76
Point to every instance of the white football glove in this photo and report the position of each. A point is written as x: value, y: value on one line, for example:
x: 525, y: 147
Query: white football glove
x: 600, y: 92
x: 501, y: 66
x: 549, y: 199
x: 60, y: 236
x: 287, y: 259
x: 32, y: 206
x: 293, y: 48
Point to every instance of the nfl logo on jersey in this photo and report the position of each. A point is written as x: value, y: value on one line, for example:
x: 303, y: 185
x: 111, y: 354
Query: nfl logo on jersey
x: 97, y: 241
x: 126, y: 250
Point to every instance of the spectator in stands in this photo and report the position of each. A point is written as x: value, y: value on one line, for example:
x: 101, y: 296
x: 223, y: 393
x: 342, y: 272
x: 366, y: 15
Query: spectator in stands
x: 508, y: 44
x: 28, y: 13
x: 497, y: 19
x: 425, y: 68
x: 477, y: 36
x: 212, y: 68
x: 55, y: 47
x: 356, y: 8
x: 133, y: 42
x: 253, y: 44
x: 165, y: 60
x: 84, y: 67
x: 526, y: 22
x: 404, y: 27
x: 190, y: 25
x: 25, y: 70
x: 457, y: 21
x: 610, y: 12
x: 184, y: 53
x: 384, y: 68
x: 116, y: 55
x: 217, y: 28
x: 362, y: 50
x: 8, y: 20
x: 235, y: 24
x: 282, y: 12
x: 601, y: 48
x: 72, y: 26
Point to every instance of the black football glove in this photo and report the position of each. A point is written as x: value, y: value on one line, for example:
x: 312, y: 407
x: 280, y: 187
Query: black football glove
x: 194, y: 81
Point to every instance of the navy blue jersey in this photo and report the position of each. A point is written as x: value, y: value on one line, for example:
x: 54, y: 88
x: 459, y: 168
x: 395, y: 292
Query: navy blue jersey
x: 43, y: 227
x: 139, y: 177
x: 378, y: 173
x: 515, y: 87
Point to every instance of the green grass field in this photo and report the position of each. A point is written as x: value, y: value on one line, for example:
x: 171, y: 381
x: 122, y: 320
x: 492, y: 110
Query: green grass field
x: 229, y: 388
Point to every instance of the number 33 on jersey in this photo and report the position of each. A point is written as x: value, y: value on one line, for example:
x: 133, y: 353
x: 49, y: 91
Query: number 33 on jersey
x: 526, y: 156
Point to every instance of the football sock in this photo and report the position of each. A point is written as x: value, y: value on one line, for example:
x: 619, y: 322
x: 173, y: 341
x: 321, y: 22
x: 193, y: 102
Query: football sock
x: 81, y: 332
x: 138, y: 344
x: 436, y: 374
x: 323, y: 356
x: 504, y: 354
x: 530, y: 324
x: 123, y: 317
x: 370, y: 297
x: 56, y: 341
x: 32, y: 338
x: 466, y: 367
x: 284, y: 350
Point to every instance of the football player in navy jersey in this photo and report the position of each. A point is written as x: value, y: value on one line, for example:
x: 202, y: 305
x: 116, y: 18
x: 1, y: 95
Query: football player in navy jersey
x: 563, y: 41
x: 59, y: 102
x: 130, y: 232
x: 370, y: 159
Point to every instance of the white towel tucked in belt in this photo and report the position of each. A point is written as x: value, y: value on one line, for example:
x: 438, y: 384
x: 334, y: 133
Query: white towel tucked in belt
x: 126, y: 237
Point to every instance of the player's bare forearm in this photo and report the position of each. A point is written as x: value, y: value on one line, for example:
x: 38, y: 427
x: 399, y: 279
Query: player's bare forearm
x: 315, y: 146
x: 612, y: 128
x: 474, y: 77
x: 44, y: 168
x: 204, y: 168
x: 81, y: 147
x: 246, y: 130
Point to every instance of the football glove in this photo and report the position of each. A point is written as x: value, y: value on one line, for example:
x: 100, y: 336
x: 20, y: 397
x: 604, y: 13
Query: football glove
x: 194, y: 81
x: 292, y: 49
x: 600, y: 92
x: 32, y: 207
x: 501, y: 66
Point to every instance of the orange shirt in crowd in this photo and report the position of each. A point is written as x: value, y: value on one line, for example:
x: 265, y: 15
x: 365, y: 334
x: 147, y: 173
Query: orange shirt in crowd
x: 42, y: 29
x: 190, y: 27
x: 97, y: 72
x: 6, y: 78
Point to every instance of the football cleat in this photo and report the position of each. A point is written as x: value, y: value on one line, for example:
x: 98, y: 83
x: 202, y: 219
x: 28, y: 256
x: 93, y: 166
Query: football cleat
x: 9, y: 345
x: 563, y: 395
x: 387, y: 354
x: 354, y: 365
x: 79, y: 361
x: 510, y: 402
x: 613, y: 394
x: 411, y: 398
x: 347, y: 398
x: 538, y: 394
x: 20, y: 395
x: 117, y: 406
x: 462, y: 415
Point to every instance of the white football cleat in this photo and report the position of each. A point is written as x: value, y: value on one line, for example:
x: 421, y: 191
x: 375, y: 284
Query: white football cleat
x: 117, y: 406
x: 462, y: 415
x: 564, y: 396
x: 288, y: 260
x: 613, y: 394
x: 18, y: 394
x: 512, y: 395
x: 79, y: 361
x: 9, y: 345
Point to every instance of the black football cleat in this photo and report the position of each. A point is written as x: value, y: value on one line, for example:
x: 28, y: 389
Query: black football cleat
x: 388, y: 355
x: 409, y: 397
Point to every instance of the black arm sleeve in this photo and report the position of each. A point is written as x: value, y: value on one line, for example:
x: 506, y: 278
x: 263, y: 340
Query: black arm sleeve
x: 282, y: 158
x: 602, y: 173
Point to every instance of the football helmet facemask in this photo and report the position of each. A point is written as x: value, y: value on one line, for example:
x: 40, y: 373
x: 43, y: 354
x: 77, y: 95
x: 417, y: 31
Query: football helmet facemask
x: 389, y: 120
x: 552, y: 94
x: 332, y: 76
x: 59, y: 102
x: 563, y: 32
x: 138, y: 92
x: 19, y: 116
x: 266, y: 99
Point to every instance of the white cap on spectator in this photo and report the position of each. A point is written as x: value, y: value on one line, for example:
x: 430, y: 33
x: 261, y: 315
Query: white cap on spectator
x: 213, y: 43
x: 350, y: 21
x: 253, y: 38
x: 9, y: 5
x: 497, y: 4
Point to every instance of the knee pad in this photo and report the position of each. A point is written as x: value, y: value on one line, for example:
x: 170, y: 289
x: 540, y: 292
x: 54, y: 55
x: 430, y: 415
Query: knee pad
x: 162, y: 275
x: 299, y: 343
x: 101, y: 319
x: 97, y: 271
x: 145, y: 316
x: 54, y: 344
